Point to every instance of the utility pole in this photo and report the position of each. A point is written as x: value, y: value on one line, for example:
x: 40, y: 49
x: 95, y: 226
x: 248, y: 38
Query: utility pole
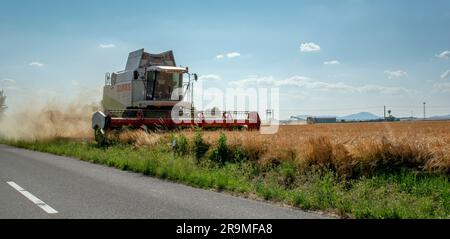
x: 424, y: 112
x: 192, y: 95
x: 269, y: 113
x: 385, y: 112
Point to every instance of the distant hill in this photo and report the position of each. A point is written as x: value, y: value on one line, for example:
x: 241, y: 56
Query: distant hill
x: 361, y: 116
x: 440, y: 117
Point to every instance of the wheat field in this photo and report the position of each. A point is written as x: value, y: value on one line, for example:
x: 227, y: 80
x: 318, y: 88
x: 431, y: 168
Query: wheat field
x: 348, y: 148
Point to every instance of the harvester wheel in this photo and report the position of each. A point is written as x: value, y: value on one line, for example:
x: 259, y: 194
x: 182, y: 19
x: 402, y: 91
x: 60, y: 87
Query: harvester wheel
x: 100, y: 136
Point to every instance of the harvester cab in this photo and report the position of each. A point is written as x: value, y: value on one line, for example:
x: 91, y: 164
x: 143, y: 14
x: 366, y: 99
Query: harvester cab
x: 148, y: 92
x: 149, y: 81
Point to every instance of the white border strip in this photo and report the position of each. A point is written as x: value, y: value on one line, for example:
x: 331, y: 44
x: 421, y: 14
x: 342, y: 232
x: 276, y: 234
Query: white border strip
x: 33, y: 198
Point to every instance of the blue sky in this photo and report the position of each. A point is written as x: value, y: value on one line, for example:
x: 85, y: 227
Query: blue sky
x: 356, y: 56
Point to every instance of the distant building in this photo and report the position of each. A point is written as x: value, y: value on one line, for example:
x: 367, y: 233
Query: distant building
x: 321, y: 120
x: 391, y: 118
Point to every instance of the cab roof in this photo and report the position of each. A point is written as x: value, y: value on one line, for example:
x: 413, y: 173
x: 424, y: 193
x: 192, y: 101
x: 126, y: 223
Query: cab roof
x: 168, y: 69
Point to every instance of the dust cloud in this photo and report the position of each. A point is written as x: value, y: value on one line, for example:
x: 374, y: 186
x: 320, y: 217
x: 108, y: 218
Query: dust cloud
x: 56, y: 118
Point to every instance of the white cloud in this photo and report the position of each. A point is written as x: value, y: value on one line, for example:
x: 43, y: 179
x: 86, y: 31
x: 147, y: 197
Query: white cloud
x: 233, y: 54
x: 444, y: 55
x: 228, y: 55
x: 107, y: 46
x: 309, y: 47
x: 8, y: 81
x: 37, y: 64
x: 385, y: 89
x: 331, y: 62
x: 253, y: 81
x: 442, y: 87
x: 210, y: 77
x: 308, y: 83
x: 446, y: 74
x: 8, y: 84
x: 396, y: 74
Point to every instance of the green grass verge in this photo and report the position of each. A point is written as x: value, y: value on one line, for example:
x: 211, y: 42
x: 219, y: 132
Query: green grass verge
x: 401, y: 195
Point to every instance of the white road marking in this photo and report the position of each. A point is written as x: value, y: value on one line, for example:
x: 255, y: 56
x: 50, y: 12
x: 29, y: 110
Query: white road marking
x: 33, y: 198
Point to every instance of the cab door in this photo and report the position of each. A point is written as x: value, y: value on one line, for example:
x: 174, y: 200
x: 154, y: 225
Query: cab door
x: 150, y: 85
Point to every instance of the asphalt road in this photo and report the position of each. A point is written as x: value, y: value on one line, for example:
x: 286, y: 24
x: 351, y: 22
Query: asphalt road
x: 40, y: 185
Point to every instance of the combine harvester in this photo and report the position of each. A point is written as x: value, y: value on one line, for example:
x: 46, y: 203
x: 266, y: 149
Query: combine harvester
x: 150, y: 93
